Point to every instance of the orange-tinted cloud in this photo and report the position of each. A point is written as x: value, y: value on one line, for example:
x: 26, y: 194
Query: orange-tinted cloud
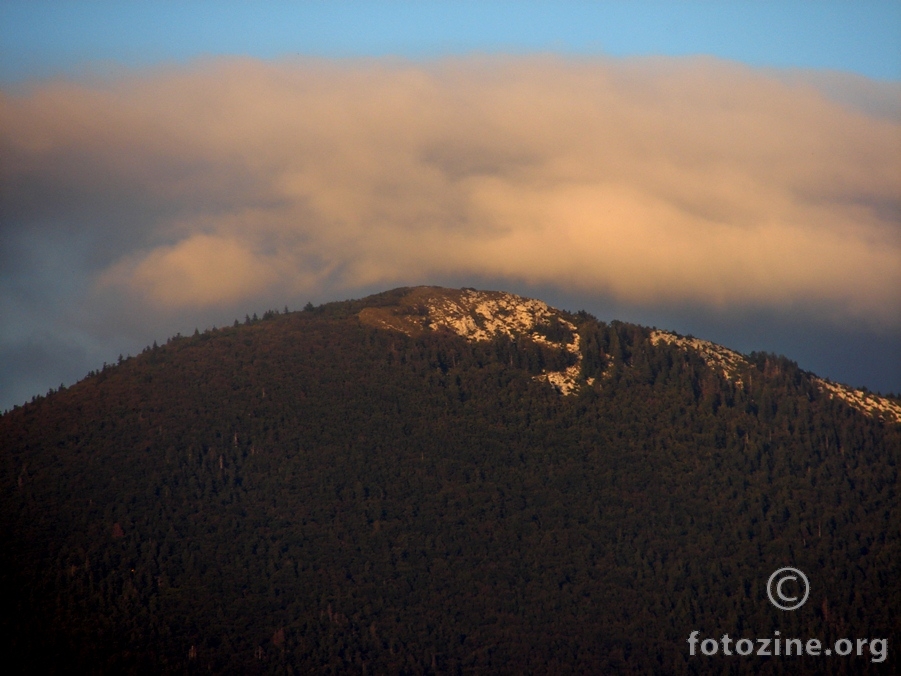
x: 652, y: 180
x: 199, y: 270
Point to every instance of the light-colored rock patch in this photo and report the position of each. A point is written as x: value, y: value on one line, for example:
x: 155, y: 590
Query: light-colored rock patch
x: 728, y: 362
x: 565, y: 381
x: 480, y: 316
x: 871, y: 404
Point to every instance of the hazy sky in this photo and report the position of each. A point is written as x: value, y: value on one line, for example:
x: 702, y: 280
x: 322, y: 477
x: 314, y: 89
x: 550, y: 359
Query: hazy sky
x: 731, y: 170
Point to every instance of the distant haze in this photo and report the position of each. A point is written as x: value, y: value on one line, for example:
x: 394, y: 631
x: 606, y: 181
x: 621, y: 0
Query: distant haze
x: 139, y: 202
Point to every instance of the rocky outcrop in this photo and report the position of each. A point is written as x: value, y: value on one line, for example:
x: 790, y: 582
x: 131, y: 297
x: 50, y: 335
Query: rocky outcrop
x: 479, y: 316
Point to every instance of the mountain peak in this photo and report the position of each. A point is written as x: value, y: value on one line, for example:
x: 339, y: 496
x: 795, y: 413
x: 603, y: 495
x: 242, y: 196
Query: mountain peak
x: 383, y: 459
x: 473, y: 314
x: 482, y: 316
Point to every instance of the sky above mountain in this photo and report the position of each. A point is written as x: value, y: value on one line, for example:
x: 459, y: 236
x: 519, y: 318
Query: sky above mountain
x: 730, y: 170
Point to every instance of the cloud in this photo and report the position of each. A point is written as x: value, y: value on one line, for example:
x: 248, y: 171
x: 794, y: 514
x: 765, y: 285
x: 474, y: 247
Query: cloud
x: 654, y: 181
x: 200, y: 270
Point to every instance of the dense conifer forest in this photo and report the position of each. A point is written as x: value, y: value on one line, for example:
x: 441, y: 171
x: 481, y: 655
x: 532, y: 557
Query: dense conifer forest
x: 306, y: 493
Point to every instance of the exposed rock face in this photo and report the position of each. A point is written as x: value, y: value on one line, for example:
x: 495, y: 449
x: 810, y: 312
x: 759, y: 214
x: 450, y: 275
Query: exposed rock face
x: 731, y: 364
x: 478, y: 316
x: 484, y: 315
x: 871, y: 404
x: 719, y: 358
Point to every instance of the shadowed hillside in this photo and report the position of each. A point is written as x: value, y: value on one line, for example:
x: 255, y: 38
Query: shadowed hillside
x: 444, y: 481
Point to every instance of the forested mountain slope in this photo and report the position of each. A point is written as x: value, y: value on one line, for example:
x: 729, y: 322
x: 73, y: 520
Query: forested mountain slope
x: 444, y: 481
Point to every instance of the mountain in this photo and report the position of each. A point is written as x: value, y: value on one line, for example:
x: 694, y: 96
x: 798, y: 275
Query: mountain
x: 434, y: 480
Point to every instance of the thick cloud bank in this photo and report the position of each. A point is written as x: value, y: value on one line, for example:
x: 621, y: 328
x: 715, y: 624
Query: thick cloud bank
x: 652, y: 181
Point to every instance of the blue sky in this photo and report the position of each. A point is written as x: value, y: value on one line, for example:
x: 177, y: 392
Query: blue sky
x: 730, y: 170
x: 39, y: 38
